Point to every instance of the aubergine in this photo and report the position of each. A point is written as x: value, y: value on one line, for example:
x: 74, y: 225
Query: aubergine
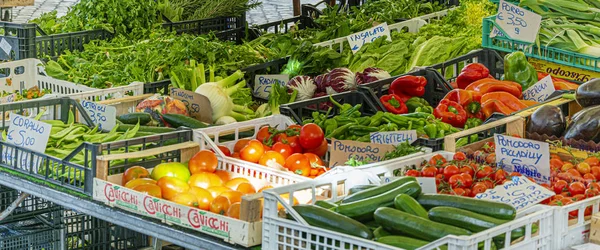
x: 588, y: 93
x: 585, y: 125
x: 547, y: 120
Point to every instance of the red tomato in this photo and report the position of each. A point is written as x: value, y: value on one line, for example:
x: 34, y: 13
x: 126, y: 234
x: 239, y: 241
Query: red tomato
x: 299, y: 164
x: 467, y: 192
x: 283, y: 138
x: 203, y: 161
x: 271, y: 157
x: 295, y: 127
x: 437, y: 160
x: 311, y: 136
x: 294, y: 143
x: 576, y: 188
x: 565, y: 167
x: 320, y: 150
x: 489, y: 147
x: 439, y: 178
x: 491, y: 158
x: 263, y: 134
x: 556, y: 163
x: 478, y: 188
x: 314, y: 160
x: 592, y: 161
x: 468, y: 170
x: 225, y: 150
x: 253, y: 151
x: 578, y: 197
x: 284, y: 149
x: 429, y: 172
x: 459, y: 156
x: 590, y: 192
x: 467, y: 179
x: 594, y: 185
x: 574, y: 173
x: 412, y: 172
x: 596, y: 172
x: 488, y: 183
x: 456, y: 181
x: 484, y: 171
x: 500, y: 176
x: 560, y: 186
x: 450, y: 171
x: 459, y: 191
x: 135, y: 172
x: 589, y: 178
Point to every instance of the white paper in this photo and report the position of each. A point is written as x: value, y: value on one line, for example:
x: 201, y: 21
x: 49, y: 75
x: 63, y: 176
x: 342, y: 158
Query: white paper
x: 540, y: 91
x: 103, y: 115
x: 518, y: 23
x: 357, y: 40
x: 28, y: 133
x: 5, y: 46
x: 528, y: 157
x: 428, y: 185
x: 520, y: 193
x: 8, y: 99
x: 394, y: 137
x: 262, y: 84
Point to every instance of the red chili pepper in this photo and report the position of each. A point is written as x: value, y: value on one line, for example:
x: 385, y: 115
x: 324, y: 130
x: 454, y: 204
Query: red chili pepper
x: 471, y: 73
x: 394, y: 104
x: 469, y: 100
x: 451, y: 112
x: 409, y: 85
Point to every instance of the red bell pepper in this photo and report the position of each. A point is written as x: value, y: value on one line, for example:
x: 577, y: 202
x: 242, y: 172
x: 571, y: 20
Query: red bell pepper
x: 469, y: 100
x: 393, y: 104
x: 470, y: 73
x: 409, y: 86
x: 451, y: 112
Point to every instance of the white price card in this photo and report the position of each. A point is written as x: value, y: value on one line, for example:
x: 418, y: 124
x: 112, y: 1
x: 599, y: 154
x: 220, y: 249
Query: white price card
x: 357, y: 40
x: 518, y: 23
x: 428, y: 185
x: 540, y: 91
x: 262, y: 84
x: 527, y: 157
x: 8, y: 99
x: 394, y: 137
x: 520, y: 193
x: 29, y: 133
x: 102, y: 115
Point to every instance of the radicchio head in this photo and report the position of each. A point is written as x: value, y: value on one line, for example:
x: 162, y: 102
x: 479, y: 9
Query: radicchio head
x: 340, y: 80
x: 320, y: 81
x: 371, y: 75
x: 304, y: 85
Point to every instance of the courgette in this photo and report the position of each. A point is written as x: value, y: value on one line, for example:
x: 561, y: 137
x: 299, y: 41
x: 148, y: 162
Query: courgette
x: 380, y: 232
x: 490, y: 208
x: 378, y: 190
x: 406, y: 203
x: 362, y: 210
x: 359, y: 188
x: 325, y: 204
x: 133, y: 118
x: 177, y: 120
x: 323, y: 218
x: 403, y: 242
x: 158, y: 130
x: 394, y: 220
x: 471, y: 221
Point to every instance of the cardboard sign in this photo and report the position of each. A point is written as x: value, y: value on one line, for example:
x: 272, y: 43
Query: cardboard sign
x: 197, y: 104
x: 520, y: 193
x: 394, y: 137
x: 262, y: 84
x: 528, y: 157
x: 27, y: 133
x: 357, y: 40
x: 102, y: 115
x: 342, y: 150
x: 518, y: 23
x: 540, y: 91
x: 427, y: 183
x: 8, y: 99
x: 563, y: 71
x: 5, y: 46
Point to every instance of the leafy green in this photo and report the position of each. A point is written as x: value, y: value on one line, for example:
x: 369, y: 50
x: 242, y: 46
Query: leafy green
x: 178, y: 10
x: 402, y: 149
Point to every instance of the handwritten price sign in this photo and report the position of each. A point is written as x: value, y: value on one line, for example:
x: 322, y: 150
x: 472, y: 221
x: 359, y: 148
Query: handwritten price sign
x: 357, y: 40
x: 27, y: 133
x: 530, y: 158
x: 263, y: 83
x: 394, y: 137
x: 518, y: 23
x: 102, y: 115
x: 520, y: 193
x: 540, y: 91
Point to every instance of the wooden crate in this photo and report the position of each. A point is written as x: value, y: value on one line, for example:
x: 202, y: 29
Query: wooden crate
x: 14, y: 3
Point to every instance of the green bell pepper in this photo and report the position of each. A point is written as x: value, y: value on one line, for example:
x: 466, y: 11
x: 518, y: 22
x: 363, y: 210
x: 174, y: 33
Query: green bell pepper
x: 473, y: 122
x: 517, y: 69
x: 431, y: 130
x: 417, y: 104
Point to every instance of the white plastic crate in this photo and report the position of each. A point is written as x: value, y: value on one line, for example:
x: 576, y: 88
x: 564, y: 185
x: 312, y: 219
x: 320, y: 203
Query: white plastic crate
x: 281, y: 233
x: 412, y: 25
x: 571, y: 232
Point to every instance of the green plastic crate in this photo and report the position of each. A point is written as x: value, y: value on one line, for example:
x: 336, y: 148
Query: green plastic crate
x: 550, y: 54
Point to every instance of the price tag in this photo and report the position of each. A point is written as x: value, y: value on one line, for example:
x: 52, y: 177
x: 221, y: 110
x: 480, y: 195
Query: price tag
x: 5, y: 46
x: 198, y: 105
x: 518, y: 23
x: 528, y: 157
x: 102, y: 115
x: 357, y: 40
x: 520, y: 193
x: 540, y: 91
x: 427, y: 183
x: 27, y: 133
x: 342, y: 150
x: 8, y: 99
x: 394, y: 137
x: 262, y: 84
x: 563, y: 71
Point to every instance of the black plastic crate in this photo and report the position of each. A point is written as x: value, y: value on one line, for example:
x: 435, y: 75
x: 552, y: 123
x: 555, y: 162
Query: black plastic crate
x: 80, y: 177
x: 435, y: 90
x: 489, y: 58
x: 31, y: 206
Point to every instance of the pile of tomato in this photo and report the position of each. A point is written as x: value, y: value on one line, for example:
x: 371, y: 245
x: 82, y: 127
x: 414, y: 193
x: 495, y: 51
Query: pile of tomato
x: 298, y: 149
x: 198, y: 185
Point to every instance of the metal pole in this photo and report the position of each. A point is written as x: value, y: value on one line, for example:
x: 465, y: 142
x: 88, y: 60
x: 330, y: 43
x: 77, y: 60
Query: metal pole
x: 296, y: 4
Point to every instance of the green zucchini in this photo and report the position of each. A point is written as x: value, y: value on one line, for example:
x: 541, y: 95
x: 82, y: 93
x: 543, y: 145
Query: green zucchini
x: 471, y: 221
x: 403, y: 242
x: 157, y: 130
x: 359, y: 188
x: 323, y: 218
x: 406, y: 203
x: 325, y: 204
x: 380, y: 232
x: 362, y: 210
x: 378, y: 190
x: 490, y: 208
x: 177, y: 120
x: 394, y: 220
x: 133, y: 118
